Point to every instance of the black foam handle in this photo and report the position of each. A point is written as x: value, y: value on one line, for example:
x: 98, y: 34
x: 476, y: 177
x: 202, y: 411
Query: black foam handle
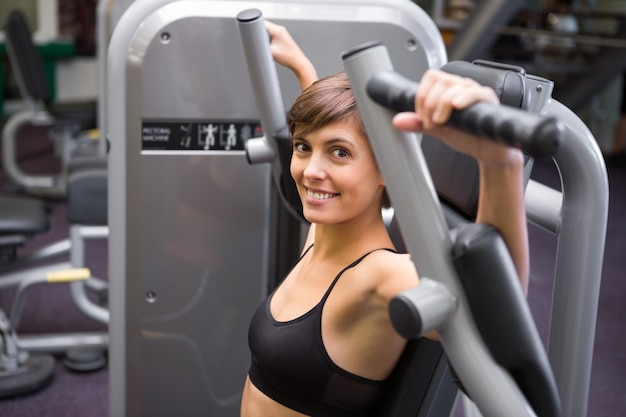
x: 535, y: 135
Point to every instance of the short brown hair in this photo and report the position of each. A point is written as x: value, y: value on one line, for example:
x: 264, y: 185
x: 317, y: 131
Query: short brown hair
x: 326, y: 101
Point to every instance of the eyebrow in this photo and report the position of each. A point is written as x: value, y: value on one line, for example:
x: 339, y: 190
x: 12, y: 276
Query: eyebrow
x: 335, y: 141
x: 329, y: 142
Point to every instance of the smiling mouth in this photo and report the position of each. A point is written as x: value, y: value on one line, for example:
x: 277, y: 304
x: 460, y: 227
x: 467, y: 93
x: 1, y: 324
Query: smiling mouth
x: 319, y: 196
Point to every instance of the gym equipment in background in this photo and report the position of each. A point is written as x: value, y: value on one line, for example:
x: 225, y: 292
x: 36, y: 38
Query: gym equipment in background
x: 26, y: 361
x: 70, y: 121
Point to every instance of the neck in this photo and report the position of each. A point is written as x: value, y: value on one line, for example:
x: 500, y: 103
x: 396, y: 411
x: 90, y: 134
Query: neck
x: 352, y: 238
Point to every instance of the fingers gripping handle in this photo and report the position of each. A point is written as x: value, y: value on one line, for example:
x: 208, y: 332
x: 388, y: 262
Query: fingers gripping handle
x: 535, y: 135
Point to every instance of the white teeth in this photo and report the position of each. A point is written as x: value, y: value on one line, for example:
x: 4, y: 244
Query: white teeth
x: 319, y: 196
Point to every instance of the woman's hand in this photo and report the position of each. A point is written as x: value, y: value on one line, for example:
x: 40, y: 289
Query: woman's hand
x: 438, y: 95
x: 501, y: 198
x: 286, y: 52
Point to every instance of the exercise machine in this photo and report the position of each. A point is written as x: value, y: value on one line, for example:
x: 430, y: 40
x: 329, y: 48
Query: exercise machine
x: 26, y: 363
x: 70, y: 121
x: 25, y: 360
x: 437, y: 302
x: 198, y: 236
x: 516, y: 89
x: 186, y: 208
x: 421, y: 383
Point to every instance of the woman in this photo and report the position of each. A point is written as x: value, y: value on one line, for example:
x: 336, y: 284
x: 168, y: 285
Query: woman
x: 323, y: 344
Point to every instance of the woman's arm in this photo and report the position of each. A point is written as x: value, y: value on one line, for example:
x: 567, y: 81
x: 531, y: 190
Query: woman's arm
x: 286, y: 52
x: 501, y: 197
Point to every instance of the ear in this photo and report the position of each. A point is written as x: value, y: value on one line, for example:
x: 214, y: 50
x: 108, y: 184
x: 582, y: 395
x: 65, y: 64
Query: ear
x: 381, y: 180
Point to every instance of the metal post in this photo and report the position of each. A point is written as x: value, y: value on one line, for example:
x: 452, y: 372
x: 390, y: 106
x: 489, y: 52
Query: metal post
x: 581, y: 240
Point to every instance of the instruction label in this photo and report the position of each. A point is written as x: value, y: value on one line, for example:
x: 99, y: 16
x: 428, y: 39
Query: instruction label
x: 198, y: 136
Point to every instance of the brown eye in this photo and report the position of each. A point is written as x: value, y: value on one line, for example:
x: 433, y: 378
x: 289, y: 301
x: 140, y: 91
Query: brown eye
x: 340, y: 153
x: 300, y: 147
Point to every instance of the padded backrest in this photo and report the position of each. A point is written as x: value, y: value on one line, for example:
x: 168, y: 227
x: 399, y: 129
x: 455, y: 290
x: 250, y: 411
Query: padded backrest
x: 420, y: 385
x: 22, y: 216
x: 503, y: 318
x: 25, y: 61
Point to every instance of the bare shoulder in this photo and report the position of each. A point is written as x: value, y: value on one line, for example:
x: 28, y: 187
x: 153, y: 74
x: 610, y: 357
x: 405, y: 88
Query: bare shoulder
x: 391, y: 273
x: 387, y: 261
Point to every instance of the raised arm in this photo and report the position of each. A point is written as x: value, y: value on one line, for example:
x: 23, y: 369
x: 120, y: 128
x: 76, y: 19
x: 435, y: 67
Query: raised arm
x: 501, y: 197
x: 286, y: 52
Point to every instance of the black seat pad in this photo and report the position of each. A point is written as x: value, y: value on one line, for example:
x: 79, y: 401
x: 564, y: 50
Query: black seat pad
x: 19, y: 215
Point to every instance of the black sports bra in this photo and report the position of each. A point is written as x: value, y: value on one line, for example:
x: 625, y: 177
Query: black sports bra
x: 291, y: 365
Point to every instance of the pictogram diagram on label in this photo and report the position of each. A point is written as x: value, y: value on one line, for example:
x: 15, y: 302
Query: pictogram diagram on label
x: 198, y: 136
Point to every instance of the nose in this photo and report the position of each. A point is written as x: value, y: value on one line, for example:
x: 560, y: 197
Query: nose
x: 315, y: 168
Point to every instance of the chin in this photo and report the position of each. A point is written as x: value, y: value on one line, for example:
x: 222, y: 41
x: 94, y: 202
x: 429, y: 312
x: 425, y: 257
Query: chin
x: 318, y: 218
x: 315, y: 217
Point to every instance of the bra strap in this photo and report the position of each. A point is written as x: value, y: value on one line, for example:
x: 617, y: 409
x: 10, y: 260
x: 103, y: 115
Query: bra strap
x: 352, y: 265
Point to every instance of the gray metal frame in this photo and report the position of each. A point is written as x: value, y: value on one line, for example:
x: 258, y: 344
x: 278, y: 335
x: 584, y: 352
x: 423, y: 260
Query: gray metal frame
x: 579, y: 222
x: 108, y: 13
x: 581, y: 210
x: 79, y: 235
x: 46, y: 185
x: 25, y: 278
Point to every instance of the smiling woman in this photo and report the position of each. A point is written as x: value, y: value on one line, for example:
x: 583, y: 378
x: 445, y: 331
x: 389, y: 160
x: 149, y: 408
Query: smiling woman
x: 322, y: 344
x: 332, y: 156
x: 335, y: 174
x: 316, y: 341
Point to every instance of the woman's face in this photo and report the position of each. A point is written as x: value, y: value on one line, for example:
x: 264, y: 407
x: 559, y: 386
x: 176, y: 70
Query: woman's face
x: 336, y: 174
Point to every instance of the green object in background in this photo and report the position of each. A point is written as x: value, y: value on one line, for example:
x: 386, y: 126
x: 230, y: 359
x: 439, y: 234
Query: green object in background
x: 50, y: 52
